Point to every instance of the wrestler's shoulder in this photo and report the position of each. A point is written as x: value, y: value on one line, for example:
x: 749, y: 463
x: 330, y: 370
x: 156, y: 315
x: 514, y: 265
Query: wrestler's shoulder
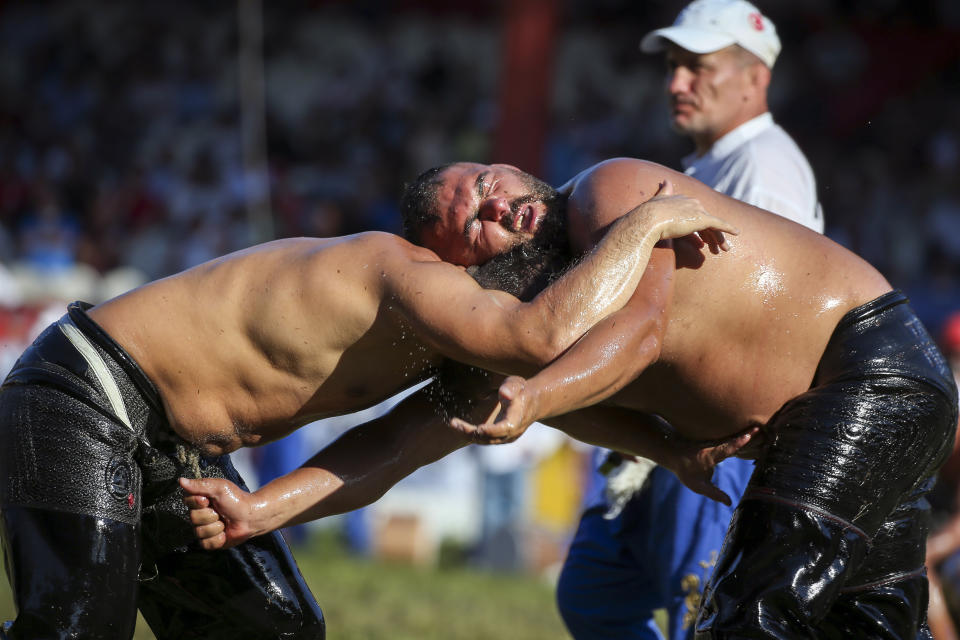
x: 620, y: 171
x: 606, y: 191
x: 377, y: 242
x: 629, y: 179
x: 386, y: 247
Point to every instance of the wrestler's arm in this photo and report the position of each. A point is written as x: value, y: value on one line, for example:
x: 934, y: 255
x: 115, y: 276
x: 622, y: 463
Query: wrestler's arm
x: 618, y: 348
x: 494, y: 330
x: 352, y: 472
x: 636, y: 433
x: 614, y: 352
x: 366, y: 461
x: 609, y: 356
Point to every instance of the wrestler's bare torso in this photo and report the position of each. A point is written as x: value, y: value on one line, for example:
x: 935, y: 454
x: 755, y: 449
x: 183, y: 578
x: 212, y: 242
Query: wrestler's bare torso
x: 245, y: 348
x: 248, y: 347
x: 746, y: 329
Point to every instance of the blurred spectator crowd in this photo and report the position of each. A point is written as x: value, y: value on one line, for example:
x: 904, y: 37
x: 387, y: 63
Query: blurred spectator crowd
x: 121, y: 146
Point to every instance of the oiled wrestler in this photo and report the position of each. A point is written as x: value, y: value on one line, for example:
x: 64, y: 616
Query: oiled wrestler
x: 111, y: 404
x: 788, y: 331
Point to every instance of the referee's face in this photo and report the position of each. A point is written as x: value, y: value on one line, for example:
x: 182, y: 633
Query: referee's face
x: 707, y: 92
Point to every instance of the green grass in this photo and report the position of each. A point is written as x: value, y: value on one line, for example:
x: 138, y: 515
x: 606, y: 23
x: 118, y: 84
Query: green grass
x: 369, y: 600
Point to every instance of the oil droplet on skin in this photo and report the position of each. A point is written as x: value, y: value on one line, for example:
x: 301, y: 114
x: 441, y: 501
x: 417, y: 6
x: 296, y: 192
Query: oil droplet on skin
x: 768, y: 282
x: 827, y: 304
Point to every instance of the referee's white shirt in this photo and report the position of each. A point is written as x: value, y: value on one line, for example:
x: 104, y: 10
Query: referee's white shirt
x: 761, y: 165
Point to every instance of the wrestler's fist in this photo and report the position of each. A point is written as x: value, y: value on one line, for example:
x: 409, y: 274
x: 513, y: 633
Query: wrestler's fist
x: 219, y: 511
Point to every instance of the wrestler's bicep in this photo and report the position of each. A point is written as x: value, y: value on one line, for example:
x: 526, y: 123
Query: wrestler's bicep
x: 453, y: 314
x: 618, y: 348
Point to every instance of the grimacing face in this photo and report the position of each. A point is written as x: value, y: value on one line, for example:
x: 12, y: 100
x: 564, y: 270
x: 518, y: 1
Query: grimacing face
x: 706, y: 91
x: 487, y: 210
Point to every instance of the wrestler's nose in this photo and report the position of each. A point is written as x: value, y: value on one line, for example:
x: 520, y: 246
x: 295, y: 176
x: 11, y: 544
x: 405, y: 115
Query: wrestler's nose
x: 493, y: 209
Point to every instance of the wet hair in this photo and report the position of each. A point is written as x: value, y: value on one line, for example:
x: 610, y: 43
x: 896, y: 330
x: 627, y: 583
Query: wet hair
x: 418, y: 204
x: 459, y: 389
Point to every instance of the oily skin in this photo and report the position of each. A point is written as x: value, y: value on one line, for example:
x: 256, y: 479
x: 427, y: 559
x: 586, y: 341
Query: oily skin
x: 248, y: 347
x: 245, y: 348
x: 713, y: 343
x: 737, y: 335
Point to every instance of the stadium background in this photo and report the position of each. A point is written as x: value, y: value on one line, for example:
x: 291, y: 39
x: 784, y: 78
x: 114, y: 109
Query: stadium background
x: 139, y: 139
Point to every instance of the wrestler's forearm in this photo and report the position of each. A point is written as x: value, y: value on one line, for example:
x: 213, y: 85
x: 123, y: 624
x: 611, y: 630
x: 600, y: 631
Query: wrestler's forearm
x: 313, y: 492
x: 357, y: 468
x: 494, y: 331
x: 645, y: 435
x: 591, y: 371
x: 614, y: 351
x: 623, y: 430
x: 600, y: 283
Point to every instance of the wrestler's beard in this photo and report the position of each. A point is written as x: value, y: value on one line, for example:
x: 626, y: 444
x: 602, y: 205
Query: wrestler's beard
x: 529, y: 267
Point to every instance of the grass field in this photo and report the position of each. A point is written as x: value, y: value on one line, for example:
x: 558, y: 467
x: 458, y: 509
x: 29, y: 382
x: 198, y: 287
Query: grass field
x: 367, y: 600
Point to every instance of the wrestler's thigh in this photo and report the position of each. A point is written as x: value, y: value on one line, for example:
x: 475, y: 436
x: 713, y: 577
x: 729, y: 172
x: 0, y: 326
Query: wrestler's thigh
x: 779, y: 572
x: 70, y: 506
x: 72, y: 575
x: 889, y: 591
x: 254, y: 590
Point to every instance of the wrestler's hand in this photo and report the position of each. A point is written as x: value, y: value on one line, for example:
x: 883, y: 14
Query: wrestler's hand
x: 219, y: 511
x: 694, y: 464
x: 515, y: 411
x: 683, y: 216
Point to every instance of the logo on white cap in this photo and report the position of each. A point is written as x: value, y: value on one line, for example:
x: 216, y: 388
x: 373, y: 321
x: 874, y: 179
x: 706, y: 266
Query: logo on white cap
x: 705, y: 26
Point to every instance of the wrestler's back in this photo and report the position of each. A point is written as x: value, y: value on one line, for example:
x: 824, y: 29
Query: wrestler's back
x: 746, y: 328
x: 248, y: 347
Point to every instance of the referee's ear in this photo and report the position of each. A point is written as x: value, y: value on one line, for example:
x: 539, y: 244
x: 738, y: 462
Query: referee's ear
x: 760, y: 75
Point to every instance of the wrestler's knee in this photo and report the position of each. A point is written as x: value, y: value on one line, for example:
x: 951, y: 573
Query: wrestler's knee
x: 92, y: 624
x: 898, y: 606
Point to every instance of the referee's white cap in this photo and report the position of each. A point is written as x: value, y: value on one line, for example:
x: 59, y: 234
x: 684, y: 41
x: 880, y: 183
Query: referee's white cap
x: 705, y: 26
